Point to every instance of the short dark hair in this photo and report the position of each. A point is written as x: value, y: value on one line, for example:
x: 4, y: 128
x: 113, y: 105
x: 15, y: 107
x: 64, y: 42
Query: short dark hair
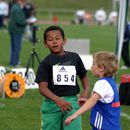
x: 51, y: 28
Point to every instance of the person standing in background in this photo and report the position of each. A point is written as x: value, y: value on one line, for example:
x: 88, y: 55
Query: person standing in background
x: 11, y: 3
x: 125, y: 48
x: 30, y: 12
x: 17, y: 24
x: 4, y: 10
x: 29, y: 9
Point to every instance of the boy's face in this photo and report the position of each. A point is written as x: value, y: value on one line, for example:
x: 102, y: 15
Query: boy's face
x: 55, y: 42
x: 97, y: 71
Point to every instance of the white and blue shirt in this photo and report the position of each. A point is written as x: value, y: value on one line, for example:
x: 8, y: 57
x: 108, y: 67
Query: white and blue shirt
x: 105, y: 115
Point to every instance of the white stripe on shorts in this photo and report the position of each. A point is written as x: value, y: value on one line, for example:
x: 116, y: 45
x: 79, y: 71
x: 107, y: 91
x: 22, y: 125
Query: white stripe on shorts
x: 98, y: 121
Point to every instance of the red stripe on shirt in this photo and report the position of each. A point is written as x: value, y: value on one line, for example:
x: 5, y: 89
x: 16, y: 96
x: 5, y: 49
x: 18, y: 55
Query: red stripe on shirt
x: 115, y: 104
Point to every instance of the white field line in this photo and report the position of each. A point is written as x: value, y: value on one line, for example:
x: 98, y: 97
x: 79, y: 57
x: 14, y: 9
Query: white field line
x: 125, y: 115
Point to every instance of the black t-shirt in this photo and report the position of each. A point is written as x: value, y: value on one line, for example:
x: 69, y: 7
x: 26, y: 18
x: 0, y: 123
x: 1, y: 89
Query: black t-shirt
x: 45, y: 72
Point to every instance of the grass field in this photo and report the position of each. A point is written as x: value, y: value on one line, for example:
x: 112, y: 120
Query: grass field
x: 73, y: 4
x: 46, y: 9
x: 24, y: 113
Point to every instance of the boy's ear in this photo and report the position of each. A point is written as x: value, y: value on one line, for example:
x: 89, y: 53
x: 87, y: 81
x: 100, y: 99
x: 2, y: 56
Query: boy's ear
x: 46, y: 45
x: 102, y: 68
x: 65, y: 40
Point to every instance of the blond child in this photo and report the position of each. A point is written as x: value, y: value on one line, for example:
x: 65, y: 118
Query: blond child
x: 104, y: 101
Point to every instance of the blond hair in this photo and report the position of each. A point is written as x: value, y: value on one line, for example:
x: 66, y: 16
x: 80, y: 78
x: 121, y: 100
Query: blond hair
x: 108, y: 60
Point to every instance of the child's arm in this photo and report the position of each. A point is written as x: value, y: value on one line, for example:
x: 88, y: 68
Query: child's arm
x: 85, y: 93
x: 85, y: 107
x: 85, y: 84
x: 64, y: 106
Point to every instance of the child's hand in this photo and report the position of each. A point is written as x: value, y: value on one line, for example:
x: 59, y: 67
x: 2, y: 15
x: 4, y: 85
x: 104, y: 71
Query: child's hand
x: 70, y: 119
x: 64, y: 105
x: 81, y: 101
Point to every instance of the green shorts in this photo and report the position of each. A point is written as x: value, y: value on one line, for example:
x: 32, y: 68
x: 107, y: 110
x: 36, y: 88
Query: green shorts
x: 53, y: 118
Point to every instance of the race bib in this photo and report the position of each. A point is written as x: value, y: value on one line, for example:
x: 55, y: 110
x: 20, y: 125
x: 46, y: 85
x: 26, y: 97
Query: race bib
x: 64, y: 75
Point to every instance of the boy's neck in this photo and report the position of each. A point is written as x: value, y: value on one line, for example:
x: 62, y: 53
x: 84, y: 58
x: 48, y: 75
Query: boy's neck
x: 60, y: 54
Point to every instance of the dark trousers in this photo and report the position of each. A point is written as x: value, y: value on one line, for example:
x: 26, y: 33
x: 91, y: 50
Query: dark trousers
x: 16, y: 43
x: 125, y: 54
x: 1, y: 21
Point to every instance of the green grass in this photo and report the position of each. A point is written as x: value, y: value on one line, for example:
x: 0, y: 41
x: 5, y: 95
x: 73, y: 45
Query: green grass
x: 45, y: 8
x: 24, y: 113
x: 21, y: 114
x: 73, y: 4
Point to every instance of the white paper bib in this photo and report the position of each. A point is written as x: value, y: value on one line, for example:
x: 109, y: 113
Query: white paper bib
x: 64, y: 75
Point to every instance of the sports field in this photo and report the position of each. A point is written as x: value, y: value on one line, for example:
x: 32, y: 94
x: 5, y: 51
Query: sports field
x: 24, y: 113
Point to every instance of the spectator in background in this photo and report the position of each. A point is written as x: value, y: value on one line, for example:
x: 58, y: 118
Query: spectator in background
x: 79, y: 16
x: 100, y: 16
x: 112, y: 18
x: 30, y: 12
x: 17, y: 24
x: 11, y: 3
x: 4, y: 9
x: 29, y: 9
x: 125, y: 48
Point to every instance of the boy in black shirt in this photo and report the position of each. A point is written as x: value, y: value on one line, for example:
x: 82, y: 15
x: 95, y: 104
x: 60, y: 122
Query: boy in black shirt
x: 57, y: 79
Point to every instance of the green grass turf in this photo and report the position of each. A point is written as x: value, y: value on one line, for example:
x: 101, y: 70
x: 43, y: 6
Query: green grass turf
x: 24, y: 113
x: 73, y: 4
